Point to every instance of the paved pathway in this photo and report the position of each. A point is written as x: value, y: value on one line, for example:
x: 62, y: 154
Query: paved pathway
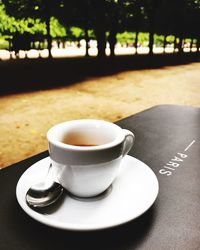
x: 25, y: 118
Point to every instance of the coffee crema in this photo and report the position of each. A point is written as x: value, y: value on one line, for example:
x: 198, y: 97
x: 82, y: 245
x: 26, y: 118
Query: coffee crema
x: 84, y: 145
x: 80, y: 144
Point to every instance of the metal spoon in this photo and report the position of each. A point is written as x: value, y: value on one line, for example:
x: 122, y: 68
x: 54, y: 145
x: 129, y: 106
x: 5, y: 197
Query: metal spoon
x: 45, y: 193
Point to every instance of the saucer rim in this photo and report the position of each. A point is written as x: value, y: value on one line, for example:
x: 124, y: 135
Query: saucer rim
x: 74, y: 226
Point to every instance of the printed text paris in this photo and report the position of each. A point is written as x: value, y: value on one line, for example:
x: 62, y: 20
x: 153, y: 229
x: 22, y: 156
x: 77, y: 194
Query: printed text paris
x: 175, y: 162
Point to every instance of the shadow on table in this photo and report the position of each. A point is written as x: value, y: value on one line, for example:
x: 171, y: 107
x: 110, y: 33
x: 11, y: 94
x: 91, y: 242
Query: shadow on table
x: 24, y: 75
x: 43, y: 237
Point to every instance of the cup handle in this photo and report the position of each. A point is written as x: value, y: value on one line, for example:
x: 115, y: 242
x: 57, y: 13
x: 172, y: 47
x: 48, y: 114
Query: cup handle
x: 128, y: 142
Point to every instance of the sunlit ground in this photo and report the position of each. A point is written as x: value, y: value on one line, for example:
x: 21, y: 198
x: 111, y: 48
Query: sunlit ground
x: 73, y: 51
x: 26, y: 117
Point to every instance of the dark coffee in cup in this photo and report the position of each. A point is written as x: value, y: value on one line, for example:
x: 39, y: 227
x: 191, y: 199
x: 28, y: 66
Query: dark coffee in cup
x: 88, y: 137
x: 81, y: 145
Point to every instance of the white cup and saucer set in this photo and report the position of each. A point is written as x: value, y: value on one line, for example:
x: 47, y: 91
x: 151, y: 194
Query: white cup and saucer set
x: 105, y: 187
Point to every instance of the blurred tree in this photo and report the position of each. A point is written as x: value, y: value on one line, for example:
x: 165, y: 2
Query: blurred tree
x: 178, y: 21
x: 180, y: 18
x: 77, y: 13
x: 134, y: 18
x: 151, y: 9
x: 114, y: 22
x: 193, y: 21
x: 105, y: 19
x: 42, y: 9
x: 163, y: 26
x: 99, y: 21
x: 88, y: 15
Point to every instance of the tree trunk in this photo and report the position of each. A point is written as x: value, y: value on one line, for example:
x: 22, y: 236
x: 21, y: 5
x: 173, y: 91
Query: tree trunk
x: 198, y: 45
x: 152, y: 14
x: 100, y: 28
x: 101, y: 43
x: 136, y: 41
x: 180, y: 45
x: 151, y: 42
x: 49, y: 39
x: 191, y: 44
x: 175, y: 44
x: 87, y: 42
x: 112, y: 42
x: 165, y: 43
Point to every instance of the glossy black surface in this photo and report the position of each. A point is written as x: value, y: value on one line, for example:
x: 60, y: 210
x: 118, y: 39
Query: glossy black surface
x: 167, y: 140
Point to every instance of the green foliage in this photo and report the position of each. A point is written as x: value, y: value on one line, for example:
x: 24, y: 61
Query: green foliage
x: 9, y: 25
x: 4, y: 44
x: 143, y: 38
x: 126, y: 37
x: 57, y: 30
x: 102, y: 17
x: 77, y: 32
x: 170, y: 39
x: 91, y: 34
x: 158, y: 40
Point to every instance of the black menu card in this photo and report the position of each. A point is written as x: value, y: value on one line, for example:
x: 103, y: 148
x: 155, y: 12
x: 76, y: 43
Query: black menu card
x: 168, y: 141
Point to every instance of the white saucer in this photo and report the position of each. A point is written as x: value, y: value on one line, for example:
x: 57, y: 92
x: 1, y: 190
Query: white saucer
x: 133, y: 193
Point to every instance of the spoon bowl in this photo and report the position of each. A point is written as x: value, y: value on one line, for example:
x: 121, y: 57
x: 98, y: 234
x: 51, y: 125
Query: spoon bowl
x: 44, y: 193
x: 41, y: 198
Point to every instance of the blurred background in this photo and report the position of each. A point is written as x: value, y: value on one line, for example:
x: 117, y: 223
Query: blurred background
x: 104, y: 59
x: 97, y: 27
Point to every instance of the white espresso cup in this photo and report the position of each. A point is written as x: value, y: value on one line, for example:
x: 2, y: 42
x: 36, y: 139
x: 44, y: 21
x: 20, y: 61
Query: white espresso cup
x: 86, y: 154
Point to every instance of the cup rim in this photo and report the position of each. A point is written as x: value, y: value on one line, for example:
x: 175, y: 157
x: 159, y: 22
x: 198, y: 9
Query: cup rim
x: 119, y: 138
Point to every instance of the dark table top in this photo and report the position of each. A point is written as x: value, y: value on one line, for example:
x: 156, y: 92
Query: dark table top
x: 168, y: 141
